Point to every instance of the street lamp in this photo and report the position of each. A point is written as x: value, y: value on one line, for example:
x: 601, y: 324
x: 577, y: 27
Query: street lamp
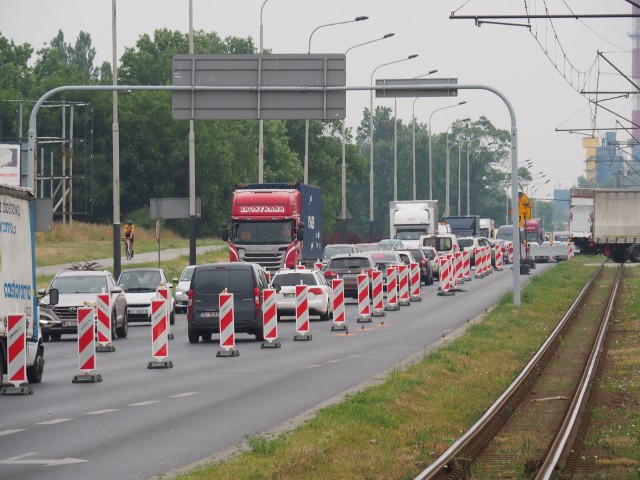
x: 413, y: 117
x: 446, y: 207
x: 343, y: 212
x: 430, y: 163
x: 410, y: 57
x: 261, y: 122
x: 306, y: 122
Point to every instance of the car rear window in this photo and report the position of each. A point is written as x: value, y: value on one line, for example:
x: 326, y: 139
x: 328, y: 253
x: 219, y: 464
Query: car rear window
x: 290, y: 279
x: 351, y: 263
x: 337, y: 250
x: 213, y: 282
x: 465, y: 242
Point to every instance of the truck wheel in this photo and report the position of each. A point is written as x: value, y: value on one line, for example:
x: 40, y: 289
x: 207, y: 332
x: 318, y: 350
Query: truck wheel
x: 634, y: 253
x: 34, y: 372
x: 619, y: 255
x: 194, y: 337
x: 326, y: 315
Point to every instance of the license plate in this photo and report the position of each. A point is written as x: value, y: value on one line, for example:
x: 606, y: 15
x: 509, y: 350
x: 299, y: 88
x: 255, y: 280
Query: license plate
x: 70, y: 323
x: 288, y: 295
x: 209, y: 314
x: 138, y: 311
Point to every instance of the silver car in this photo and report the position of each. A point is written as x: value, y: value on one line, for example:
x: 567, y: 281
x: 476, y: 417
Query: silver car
x: 182, y: 288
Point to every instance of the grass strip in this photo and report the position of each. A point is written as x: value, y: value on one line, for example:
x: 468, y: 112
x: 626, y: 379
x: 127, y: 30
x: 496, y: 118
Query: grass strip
x: 394, y: 430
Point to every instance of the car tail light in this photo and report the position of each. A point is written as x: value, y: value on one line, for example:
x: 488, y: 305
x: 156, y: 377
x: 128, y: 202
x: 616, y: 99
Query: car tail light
x: 315, y: 290
x: 190, y: 305
x: 423, y: 261
x: 328, y: 274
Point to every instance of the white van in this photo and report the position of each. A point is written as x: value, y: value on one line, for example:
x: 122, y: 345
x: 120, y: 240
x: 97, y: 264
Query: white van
x: 443, y: 243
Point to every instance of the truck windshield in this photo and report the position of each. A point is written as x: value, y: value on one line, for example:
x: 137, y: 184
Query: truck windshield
x: 409, y: 234
x: 259, y: 233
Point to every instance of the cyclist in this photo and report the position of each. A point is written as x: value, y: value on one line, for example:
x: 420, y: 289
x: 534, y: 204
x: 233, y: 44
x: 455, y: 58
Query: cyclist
x: 129, y: 230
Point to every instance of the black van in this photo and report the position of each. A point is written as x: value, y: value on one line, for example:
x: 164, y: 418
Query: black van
x: 245, y: 280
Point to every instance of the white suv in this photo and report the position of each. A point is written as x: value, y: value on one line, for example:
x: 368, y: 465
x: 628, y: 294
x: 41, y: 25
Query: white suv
x: 471, y: 243
x: 78, y: 288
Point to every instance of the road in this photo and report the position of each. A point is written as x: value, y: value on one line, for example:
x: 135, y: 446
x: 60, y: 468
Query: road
x: 139, y: 423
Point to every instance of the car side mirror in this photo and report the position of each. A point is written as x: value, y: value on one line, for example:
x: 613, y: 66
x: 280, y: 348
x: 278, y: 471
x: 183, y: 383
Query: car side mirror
x: 300, y: 232
x: 54, y: 296
x: 276, y: 287
x: 224, y: 233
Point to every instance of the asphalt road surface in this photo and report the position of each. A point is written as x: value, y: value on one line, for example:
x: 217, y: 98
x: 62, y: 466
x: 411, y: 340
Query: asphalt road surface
x: 139, y: 423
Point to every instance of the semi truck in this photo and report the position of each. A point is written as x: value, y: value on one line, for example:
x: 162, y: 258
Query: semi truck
x: 464, y: 225
x: 276, y: 225
x: 487, y: 226
x: 581, y: 220
x: 18, y: 276
x: 616, y: 223
x: 533, y: 231
x: 409, y: 219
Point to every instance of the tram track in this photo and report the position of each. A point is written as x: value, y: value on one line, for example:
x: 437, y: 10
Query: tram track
x: 532, y: 428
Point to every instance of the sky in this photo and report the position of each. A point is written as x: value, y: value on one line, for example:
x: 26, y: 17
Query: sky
x: 535, y: 69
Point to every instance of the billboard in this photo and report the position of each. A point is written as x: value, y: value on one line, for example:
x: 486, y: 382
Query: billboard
x: 10, y: 164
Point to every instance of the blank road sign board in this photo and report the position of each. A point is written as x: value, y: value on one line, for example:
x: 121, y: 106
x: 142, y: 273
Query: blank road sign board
x: 417, y: 92
x: 289, y: 73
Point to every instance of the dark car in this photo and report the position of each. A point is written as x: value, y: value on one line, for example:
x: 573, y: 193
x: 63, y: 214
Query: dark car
x: 348, y: 267
x: 245, y: 280
x: 426, y: 274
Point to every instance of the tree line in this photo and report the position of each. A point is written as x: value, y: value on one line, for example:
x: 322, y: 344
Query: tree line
x: 154, y: 147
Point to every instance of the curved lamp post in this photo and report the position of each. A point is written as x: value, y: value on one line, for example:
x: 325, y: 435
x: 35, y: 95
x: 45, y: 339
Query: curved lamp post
x: 446, y: 207
x: 410, y: 57
x: 430, y: 162
x: 306, y: 122
x: 413, y: 117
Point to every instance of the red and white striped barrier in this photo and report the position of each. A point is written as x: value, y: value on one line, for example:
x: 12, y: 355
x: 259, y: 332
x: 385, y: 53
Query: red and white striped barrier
x: 511, y: 253
x: 103, y: 313
x: 227, y: 326
x: 270, y: 319
x: 378, y: 297
x: 570, y: 250
x: 364, y: 311
x: 159, y: 334
x: 459, y: 269
x: 414, y: 282
x: 403, y: 285
x: 318, y: 264
x: 487, y: 260
x: 164, y: 293
x: 337, y: 299
x: 86, y: 346
x: 16, y: 354
x: 477, y: 253
x: 392, y: 289
x: 466, y: 265
x: 498, y: 249
x: 445, y: 276
x: 302, y: 313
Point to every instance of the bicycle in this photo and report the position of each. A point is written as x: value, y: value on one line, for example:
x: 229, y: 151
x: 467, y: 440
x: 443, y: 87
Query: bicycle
x: 128, y: 248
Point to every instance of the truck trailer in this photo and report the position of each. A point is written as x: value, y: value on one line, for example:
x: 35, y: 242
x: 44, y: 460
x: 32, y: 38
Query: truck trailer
x: 581, y: 220
x: 487, y: 226
x: 409, y: 219
x: 616, y: 223
x: 276, y: 225
x: 18, y: 277
x: 464, y: 225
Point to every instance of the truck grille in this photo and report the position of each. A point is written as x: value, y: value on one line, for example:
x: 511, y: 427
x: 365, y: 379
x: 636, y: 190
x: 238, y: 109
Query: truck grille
x: 272, y: 262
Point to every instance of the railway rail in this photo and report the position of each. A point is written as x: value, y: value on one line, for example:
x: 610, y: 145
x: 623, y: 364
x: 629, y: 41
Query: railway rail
x: 534, y: 429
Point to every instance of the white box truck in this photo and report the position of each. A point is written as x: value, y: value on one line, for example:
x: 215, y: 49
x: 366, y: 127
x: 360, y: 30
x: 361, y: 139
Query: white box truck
x: 18, y: 276
x: 616, y: 223
x: 410, y: 219
x: 581, y: 219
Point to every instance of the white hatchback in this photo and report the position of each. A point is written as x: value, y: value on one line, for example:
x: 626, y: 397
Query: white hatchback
x: 319, y: 291
x: 139, y: 285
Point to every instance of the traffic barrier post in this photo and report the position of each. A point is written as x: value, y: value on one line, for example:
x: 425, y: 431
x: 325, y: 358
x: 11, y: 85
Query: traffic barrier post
x: 403, y: 285
x: 498, y: 249
x: 364, y: 311
x: 570, y: 250
x: 318, y: 264
x: 378, y: 298
x: 392, y: 289
x: 103, y: 313
x: 487, y: 260
x: 270, y: 319
x: 445, y: 276
x: 302, y: 313
x: 477, y: 254
x: 414, y: 282
x: 159, y: 335
x: 86, y: 347
x: 227, y: 326
x: 163, y: 292
x: 511, y: 253
x: 466, y: 265
x: 457, y: 272
x: 337, y: 300
x: 16, y: 356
